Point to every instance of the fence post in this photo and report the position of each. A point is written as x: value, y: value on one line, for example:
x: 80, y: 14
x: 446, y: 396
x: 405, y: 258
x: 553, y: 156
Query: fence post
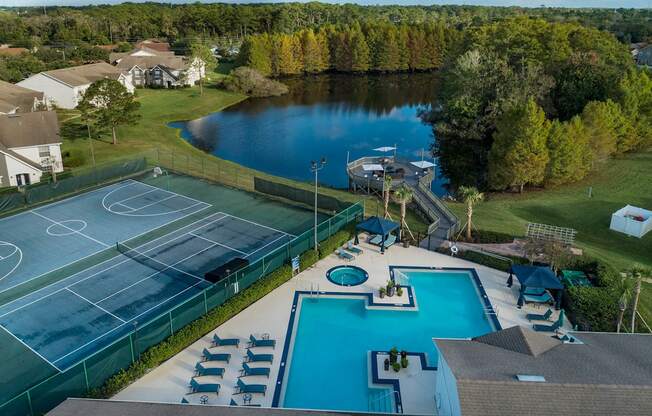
x: 131, y: 346
x: 171, y: 328
x: 88, y: 386
x: 205, y: 302
x: 329, y: 227
x: 29, y: 402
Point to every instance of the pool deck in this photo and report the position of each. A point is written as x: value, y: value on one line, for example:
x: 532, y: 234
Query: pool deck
x: 169, y: 382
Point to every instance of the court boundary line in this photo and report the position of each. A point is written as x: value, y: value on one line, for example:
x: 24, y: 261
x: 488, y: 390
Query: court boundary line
x: 152, y: 186
x: 100, y: 271
x: 30, y: 348
x: 215, y: 243
x: 260, y: 225
x: 129, y: 198
x: 96, y: 305
x: 99, y: 251
x: 266, y: 245
x: 38, y: 214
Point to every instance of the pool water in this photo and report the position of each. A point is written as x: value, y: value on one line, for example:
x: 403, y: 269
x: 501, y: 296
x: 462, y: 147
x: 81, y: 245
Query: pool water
x: 347, y: 275
x: 328, y: 365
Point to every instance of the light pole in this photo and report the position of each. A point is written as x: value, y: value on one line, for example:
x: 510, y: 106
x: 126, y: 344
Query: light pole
x: 316, y: 167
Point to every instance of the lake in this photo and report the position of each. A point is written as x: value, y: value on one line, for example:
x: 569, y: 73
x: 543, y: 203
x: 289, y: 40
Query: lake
x: 333, y: 116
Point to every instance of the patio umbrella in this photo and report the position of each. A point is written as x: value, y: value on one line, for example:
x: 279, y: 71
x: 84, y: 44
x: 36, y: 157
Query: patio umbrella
x: 385, y: 149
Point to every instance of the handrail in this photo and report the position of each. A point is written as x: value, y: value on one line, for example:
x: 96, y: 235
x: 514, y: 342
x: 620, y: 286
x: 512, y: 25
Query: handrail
x: 395, y: 393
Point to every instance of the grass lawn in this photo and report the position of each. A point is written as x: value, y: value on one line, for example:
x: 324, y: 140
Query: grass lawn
x: 618, y: 182
x: 160, y: 107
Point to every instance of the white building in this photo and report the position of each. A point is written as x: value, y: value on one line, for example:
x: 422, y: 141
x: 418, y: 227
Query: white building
x: 632, y: 221
x: 16, y: 99
x: 65, y: 87
x: 162, y: 69
x: 30, y: 145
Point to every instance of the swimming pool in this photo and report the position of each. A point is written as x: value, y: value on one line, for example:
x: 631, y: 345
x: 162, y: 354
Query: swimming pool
x: 330, y: 336
x: 347, y: 275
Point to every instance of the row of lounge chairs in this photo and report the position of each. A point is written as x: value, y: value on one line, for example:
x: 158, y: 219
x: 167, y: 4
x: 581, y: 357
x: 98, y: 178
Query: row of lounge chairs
x: 554, y: 326
x: 349, y: 252
x: 201, y: 370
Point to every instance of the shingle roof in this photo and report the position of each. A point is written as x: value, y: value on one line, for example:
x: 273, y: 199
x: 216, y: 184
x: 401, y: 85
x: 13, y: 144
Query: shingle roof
x: 29, y: 129
x: 85, y: 74
x: 601, y: 373
x: 147, y: 62
x: 13, y: 96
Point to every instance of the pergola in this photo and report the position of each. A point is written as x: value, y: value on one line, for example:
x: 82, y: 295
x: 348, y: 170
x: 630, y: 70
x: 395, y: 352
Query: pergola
x: 378, y: 226
x: 535, y: 277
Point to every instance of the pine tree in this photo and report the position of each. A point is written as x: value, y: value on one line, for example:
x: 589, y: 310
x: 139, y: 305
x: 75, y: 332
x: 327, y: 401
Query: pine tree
x: 284, y: 55
x: 519, y: 155
x: 402, y: 43
x: 312, y: 57
x: 610, y: 130
x: 569, y: 151
x: 359, y: 50
x: 256, y: 53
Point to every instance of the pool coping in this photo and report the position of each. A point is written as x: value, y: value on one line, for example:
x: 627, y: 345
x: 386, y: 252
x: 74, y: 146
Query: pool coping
x: 369, y: 297
x: 332, y: 269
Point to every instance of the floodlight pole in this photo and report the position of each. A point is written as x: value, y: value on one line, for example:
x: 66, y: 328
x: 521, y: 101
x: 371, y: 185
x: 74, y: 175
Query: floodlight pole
x: 316, y: 167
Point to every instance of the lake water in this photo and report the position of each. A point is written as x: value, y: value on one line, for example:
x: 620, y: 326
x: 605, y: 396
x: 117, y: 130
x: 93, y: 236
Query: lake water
x: 329, y: 116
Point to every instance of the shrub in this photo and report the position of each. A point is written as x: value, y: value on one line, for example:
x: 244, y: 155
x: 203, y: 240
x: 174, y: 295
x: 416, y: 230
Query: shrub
x: 195, y: 330
x: 396, y: 367
x: 248, y: 81
x: 74, y: 158
x: 336, y: 241
x: 486, y: 260
x: 592, y: 308
x: 488, y: 237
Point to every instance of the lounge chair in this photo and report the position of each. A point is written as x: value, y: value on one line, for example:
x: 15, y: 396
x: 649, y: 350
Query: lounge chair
x: 375, y: 239
x: 353, y: 249
x: 196, y: 387
x: 184, y: 401
x: 550, y: 328
x: 201, y: 371
x: 221, y: 342
x: 539, y: 316
x: 254, y: 342
x: 209, y: 356
x: 257, y: 358
x: 543, y: 298
x: 378, y: 239
x: 344, y: 255
x: 233, y: 403
x: 241, y: 387
x: 255, y: 371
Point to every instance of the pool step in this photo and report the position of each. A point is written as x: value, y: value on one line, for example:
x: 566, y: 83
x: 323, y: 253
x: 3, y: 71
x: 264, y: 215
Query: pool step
x: 381, y: 401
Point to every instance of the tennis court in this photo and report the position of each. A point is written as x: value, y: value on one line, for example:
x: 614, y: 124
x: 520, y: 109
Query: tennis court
x: 39, y: 241
x: 65, y: 322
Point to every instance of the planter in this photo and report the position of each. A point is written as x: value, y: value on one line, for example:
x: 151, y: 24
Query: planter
x: 396, y: 367
x: 393, y: 356
x: 404, y: 362
x: 386, y: 364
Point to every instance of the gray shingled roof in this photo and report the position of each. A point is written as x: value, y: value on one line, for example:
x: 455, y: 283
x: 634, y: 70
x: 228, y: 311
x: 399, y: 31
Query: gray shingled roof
x: 29, y: 129
x: 147, y: 62
x: 85, y: 407
x: 13, y: 96
x: 85, y: 74
x: 604, y: 374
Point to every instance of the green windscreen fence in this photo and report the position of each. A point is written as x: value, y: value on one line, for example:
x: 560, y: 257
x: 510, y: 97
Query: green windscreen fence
x: 299, y: 195
x: 42, y: 192
x: 52, y: 388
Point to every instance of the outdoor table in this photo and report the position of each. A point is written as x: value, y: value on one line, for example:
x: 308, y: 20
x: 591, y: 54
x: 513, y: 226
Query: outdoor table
x: 203, y: 399
x: 246, y: 398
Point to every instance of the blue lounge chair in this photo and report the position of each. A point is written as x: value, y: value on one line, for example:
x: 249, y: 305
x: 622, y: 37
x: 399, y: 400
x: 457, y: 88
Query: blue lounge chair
x: 538, y: 316
x: 378, y: 239
x: 375, y: 239
x: 543, y: 298
x: 550, y: 328
x: 257, y: 358
x: 253, y: 342
x: 201, y: 371
x: 241, y: 387
x: 344, y: 255
x: 255, y: 371
x: 196, y: 387
x: 221, y: 342
x: 209, y: 356
x: 353, y: 249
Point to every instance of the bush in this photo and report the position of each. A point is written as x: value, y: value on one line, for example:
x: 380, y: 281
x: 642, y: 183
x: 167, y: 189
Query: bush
x: 195, y: 330
x: 248, y: 81
x: 487, y: 237
x: 74, y: 158
x: 486, y: 260
x: 592, y: 308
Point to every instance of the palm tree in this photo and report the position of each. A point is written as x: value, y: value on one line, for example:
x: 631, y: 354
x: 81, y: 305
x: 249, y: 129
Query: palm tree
x: 387, y: 187
x: 625, y: 291
x: 471, y: 196
x: 636, y: 273
x: 403, y: 196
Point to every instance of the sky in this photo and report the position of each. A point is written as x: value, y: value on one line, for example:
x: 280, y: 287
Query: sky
x: 525, y: 3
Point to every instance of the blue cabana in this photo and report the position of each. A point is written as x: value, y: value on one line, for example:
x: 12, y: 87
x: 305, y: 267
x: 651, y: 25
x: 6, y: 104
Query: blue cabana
x: 538, y: 277
x: 378, y: 226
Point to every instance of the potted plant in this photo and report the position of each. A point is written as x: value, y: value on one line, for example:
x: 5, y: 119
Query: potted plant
x: 382, y: 291
x: 406, y: 243
x: 386, y: 364
x: 404, y: 362
x: 403, y: 354
x: 396, y: 367
x: 393, y: 355
x: 399, y: 291
x: 390, y: 288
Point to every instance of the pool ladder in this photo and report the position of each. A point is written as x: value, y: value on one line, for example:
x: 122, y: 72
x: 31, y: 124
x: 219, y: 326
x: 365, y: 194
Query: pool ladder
x: 314, y: 290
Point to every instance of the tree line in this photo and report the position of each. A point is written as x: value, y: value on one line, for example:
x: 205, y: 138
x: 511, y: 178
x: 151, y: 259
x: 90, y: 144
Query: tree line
x: 380, y: 47
x: 532, y: 103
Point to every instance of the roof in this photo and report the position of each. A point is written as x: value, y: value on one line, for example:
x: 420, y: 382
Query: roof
x: 84, y: 74
x: 16, y: 97
x: 85, y: 407
x: 12, y: 51
x: 604, y: 373
x: 147, y: 62
x: 536, y: 276
x: 29, y: 129
x: 376, y: 225
x: 115, y: 56
x: 154, y: 44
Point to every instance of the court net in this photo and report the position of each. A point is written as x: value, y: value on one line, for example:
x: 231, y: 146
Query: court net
x: 149, y: 261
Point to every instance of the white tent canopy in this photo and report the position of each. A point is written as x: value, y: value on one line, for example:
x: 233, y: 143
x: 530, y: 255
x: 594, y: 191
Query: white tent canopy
x: 632, y: 221
x: 385, y: 149
x: 423, y: 164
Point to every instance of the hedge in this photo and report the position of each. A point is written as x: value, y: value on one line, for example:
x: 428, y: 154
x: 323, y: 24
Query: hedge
x: 486, y: 260
x: 487, y: 237
x: 195, y: 330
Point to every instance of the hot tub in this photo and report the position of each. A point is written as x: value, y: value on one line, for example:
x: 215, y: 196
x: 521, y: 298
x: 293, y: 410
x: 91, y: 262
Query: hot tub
x: 347, y: 275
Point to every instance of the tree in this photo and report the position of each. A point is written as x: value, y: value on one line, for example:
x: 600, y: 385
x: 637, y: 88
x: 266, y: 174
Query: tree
x: 200, y: 57
x: 637, y: 274
x: 387, y: 189
x: 609, y: 130
x: 359, y: 50
x: 312, y: 53
x: 519, y: 155
x: 624, y: 291
x: 569, y: 151
x: 108, y: 103
x: 471, y: 196
x: 256, y: 53
x: 403, y: 196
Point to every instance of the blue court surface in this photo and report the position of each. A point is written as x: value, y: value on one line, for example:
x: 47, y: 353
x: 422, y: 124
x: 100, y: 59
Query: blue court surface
x: 44, y: 239
x: 67, y: 321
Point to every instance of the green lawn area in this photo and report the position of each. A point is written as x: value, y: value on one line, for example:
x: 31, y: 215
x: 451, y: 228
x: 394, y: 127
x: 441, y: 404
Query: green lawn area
x: 615, y: 183
x: 645, y: 306
x: 160, y: 107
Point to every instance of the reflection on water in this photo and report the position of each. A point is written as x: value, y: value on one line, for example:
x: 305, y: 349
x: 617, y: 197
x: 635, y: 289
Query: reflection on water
x: 322, y: 116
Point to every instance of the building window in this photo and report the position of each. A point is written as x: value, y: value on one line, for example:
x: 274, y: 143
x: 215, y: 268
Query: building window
x: 43, y: 151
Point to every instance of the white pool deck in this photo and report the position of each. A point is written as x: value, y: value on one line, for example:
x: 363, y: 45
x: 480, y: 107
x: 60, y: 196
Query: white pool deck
x: 169, y: 381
